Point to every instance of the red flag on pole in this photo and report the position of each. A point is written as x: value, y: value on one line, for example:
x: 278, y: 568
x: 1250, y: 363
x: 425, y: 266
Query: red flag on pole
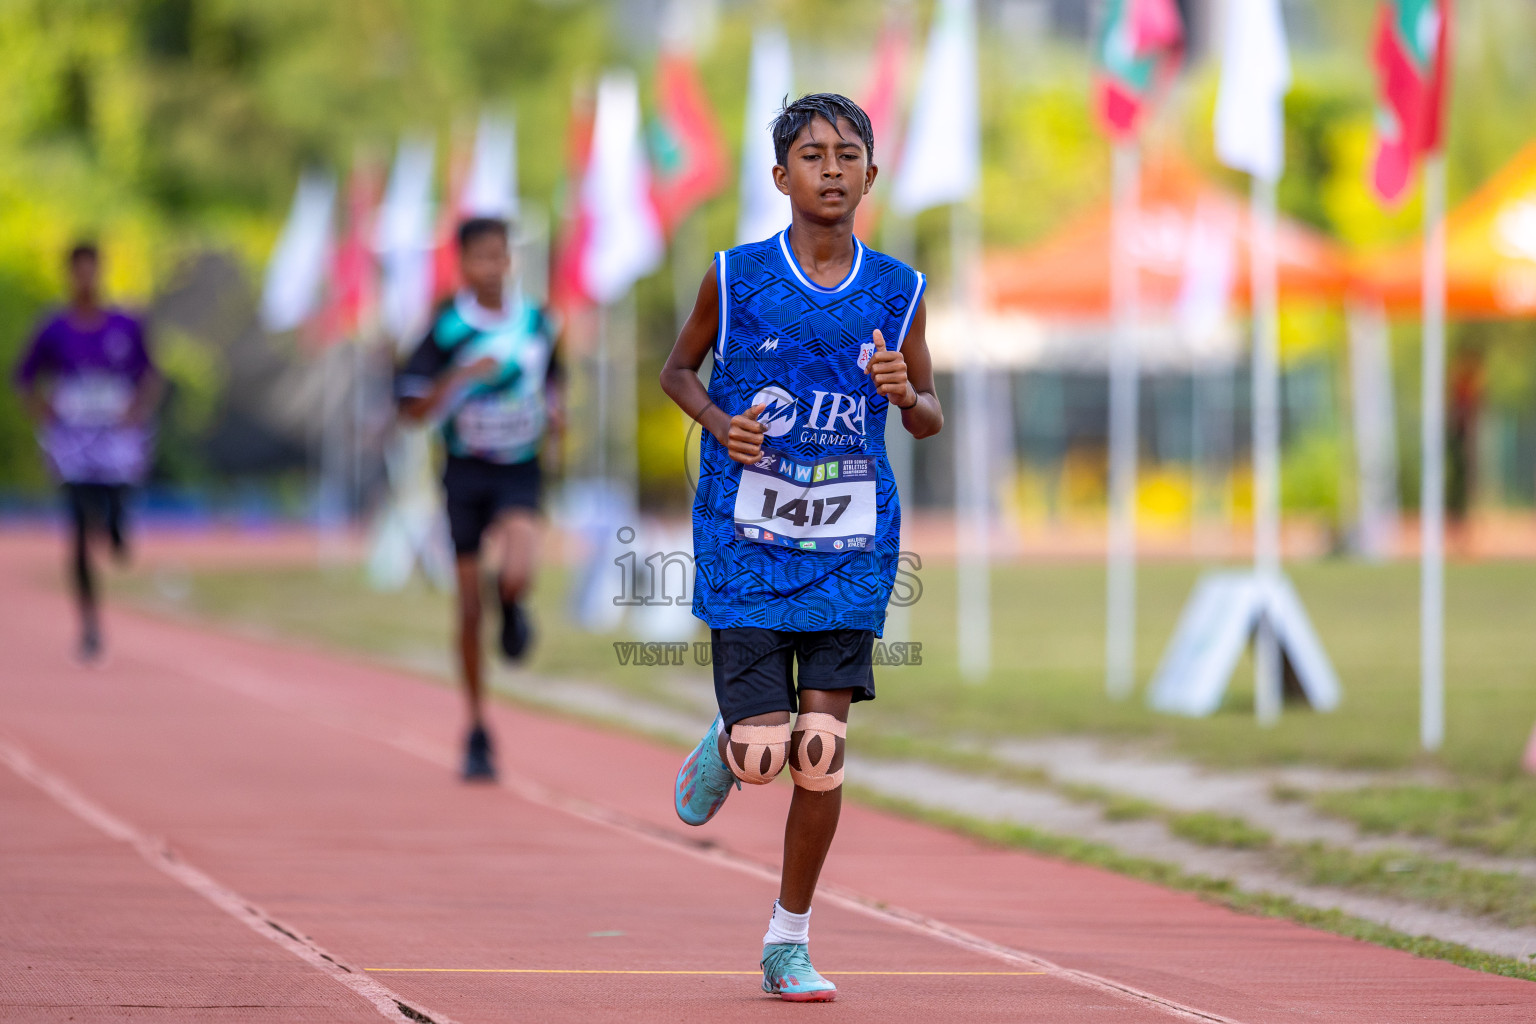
x: 350, y: 305
x: 1411, y: 54
x: 882, y: 102
x: 567, y: 291
x: 688, y: 151
x: 445, y: 252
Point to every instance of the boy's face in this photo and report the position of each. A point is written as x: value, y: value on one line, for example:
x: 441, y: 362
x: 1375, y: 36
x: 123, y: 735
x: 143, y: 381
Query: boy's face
x: 827, y: 174
x: 84, y: 275
x: 485, y: 263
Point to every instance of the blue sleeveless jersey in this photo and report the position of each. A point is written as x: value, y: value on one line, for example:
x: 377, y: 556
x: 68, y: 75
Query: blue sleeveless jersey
x: 779, y: 558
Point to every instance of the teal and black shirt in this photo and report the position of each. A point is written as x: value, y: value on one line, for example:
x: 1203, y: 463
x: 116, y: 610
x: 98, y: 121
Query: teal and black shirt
x: 501, y: 419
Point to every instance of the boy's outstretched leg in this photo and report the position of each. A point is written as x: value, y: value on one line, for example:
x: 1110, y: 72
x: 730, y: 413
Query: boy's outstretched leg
x: 755, y: 692
x: 753, y: 750
x: 478, y: 760
x: 81, y: 574
x: 816, y: 762
x: 117, y: 528
x: 519, y: 531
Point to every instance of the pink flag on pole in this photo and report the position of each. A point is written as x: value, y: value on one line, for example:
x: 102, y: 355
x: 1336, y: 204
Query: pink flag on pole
x: 1411, y: 54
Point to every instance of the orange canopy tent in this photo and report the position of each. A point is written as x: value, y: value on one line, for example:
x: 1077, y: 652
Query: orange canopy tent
x: 1490, y: 252
x: 1067, y: 276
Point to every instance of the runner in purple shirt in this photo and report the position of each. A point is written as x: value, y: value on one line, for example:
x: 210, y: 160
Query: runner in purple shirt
x: 88, y: 382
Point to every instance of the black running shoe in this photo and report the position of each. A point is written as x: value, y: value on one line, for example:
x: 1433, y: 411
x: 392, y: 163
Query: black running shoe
x: 479, y: 765
x: 516, y: 633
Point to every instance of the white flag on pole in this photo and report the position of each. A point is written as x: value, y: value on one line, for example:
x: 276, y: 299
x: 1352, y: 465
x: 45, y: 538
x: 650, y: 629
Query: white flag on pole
x: 491, y: 188
x: 403, y: 241
x: 1255, y: 75
x: 626, y: 241
x: 301, y: 260
x: 764, y: 209
x: 941, y: 161
x: 1210, y: 256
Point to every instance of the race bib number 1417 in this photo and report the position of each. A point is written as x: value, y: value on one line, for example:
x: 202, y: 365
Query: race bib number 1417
x: 825, y: 504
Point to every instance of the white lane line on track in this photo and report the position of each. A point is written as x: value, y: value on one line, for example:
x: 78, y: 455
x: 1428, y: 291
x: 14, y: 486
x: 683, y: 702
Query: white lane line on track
x: 391, y: 1006
x: 258, y: 687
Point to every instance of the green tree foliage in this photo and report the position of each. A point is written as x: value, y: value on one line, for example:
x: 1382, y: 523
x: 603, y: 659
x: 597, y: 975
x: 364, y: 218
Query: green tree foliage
x: 163, y: 126
x: 166, y: 126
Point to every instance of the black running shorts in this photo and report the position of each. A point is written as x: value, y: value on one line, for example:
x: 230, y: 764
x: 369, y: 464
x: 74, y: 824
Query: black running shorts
x: 98, y: 508
x: 762, y: 670
x: 479, y: 491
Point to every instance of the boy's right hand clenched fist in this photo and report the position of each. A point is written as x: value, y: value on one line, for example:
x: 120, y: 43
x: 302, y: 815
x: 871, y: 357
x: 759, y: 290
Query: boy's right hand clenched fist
x: 744, y: 439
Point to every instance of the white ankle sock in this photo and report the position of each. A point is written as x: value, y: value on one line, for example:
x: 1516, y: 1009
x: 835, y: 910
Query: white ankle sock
x: 786, y: 927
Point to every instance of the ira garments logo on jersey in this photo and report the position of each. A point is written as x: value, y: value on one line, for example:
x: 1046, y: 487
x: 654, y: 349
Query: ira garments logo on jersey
x: 778, y: 415
x: 835, y: 418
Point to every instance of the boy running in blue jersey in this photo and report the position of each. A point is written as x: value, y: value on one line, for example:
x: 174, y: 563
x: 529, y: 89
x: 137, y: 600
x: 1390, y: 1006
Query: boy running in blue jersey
x: 797, y: 524
x: 487, y: 371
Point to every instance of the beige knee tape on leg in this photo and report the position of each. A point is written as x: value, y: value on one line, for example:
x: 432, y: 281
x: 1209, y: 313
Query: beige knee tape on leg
x: 764, y: 743
x: 814, y: 774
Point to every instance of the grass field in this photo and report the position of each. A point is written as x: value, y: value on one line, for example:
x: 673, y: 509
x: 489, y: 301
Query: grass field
x: 1048, y: 676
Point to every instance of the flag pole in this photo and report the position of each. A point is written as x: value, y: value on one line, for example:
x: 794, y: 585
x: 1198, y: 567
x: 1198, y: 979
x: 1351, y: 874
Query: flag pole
x: 602, y: 388
x: 1370, y: 373
x: 331, y: 498
x: 360, y: 396
x: 1267, y: 668
x: 1124, y: 378
x: 972, y: 525
x: 897, y: 235
x: 624, y: 327
x: 1432, y: 480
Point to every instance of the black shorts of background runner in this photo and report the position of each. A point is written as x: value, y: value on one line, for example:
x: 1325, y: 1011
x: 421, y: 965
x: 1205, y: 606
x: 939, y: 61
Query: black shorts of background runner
x: 98, y: 508
x: 758, y: 671
x: 479, y: 491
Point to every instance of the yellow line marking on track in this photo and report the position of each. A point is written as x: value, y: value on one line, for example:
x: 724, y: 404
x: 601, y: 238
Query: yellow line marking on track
x: 554, y: 970
x: 257, y: 686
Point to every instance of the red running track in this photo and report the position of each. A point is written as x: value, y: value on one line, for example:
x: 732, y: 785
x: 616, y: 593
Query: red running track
x: 209, y: 828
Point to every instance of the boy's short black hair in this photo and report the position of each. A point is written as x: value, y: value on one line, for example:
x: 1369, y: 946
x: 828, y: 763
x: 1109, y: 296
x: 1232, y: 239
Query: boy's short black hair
x: 829, y: 106
x: 83, y: 251
x: 474, y: 227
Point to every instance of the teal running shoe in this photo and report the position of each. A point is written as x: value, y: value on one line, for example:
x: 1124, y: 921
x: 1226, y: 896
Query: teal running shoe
x: 704, y: 781
x: 788, y: 974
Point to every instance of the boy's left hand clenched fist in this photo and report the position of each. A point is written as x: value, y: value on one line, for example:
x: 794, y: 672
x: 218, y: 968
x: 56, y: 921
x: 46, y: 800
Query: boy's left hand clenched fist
x: 888, y: 370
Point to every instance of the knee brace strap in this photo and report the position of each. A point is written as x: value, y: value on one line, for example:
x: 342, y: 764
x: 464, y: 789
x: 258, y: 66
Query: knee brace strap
x: 766, y: 747
x: 814, y: 774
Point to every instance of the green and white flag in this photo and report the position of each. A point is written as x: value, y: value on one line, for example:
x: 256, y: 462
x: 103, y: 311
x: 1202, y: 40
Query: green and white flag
x: 1139, y: 46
